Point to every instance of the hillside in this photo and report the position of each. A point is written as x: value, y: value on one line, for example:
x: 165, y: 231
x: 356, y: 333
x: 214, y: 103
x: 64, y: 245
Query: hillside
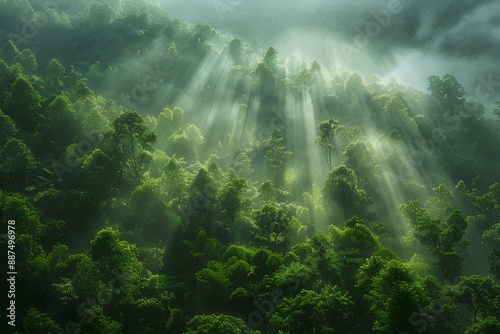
x: 158, y: 176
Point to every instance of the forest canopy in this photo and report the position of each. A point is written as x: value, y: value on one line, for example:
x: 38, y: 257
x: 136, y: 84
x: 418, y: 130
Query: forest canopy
x: 168, y: 177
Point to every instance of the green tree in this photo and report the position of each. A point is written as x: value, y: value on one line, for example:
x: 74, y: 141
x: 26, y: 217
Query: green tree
x: 36, y: 322
x: 357, y: 235
x: 95, y: 321
x: 487, y: 205
x: 114, y: 256
x: 329, y: 311
x: 82, y: 90
x: 441, y: 205
x: 276, y: 154
x: 213, y: 286
x: 326, y: 130
x: 174, y: 182
x: 149, y: 212
x: 9, y: 52
x: 496, y: 111
x: 395, y: 295
x: 101, y: 172
x: 17, y: 166
x: 341, y: 187
x: 265, y: 80
x: 212, y: 323
x: 488, y: 325
x: 28, y: 60
x: 447, y: 89
x: 172, y: 53
x: 395, y: 114
x: 354, y: 88
x: 134, y: 142
x: 63, y: 126
x: 8, y: 128
x: 480, y: 295
x: 267, y: 192
x: 273, y: 223
x: 360, y: 157
x: 19, y: 207
x: 55, y: 73
x: 85, y: 282
x: 395, y: 137
x: 444, y: 238
x: 243, y: 165
x: 101, y: 14
x: 23, y: 104
x: 236, y: 50
x: 271, y: 57
x: 229, y: 201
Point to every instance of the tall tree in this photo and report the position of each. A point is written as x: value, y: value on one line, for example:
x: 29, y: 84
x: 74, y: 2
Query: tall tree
x: 211, y: 323
x: 7, y: 128
x: 341, y: 187
x: 396, y: 293
x: 487, y: 205
x: 480, y: 295
x: 55, y: 74
x: 329, y: 311
x: 496, y: 111
x: 35, y: 322
x: 17, y: 165
x: 448, y: 90
x: 101, y: 13
x: 63, y: 126
x: 134, y: 141
x: 276, y: 153
x: 23, y: 104
x: 360, y: 157
x: 9, y: 52
x: 273, y: 223
x: 229, y: 202
x: 326, y: 132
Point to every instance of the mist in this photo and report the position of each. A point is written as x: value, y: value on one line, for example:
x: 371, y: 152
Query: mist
x: 407, y: 40
x: 237, y: 166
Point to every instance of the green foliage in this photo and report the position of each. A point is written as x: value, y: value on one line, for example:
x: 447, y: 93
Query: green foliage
x: 113, y: 256
x: 23, y: 104
x: 341, y: 187
x: 18, y: 165
x: 489, y: 325
x: 165, y: 221
x: 395, y: 294
x: 35, y: 322
x: 229, y: 201
x: 360, y: 157
x: 328, y: 311
x: 443, y: 237
x: 487, y: 205
x: 326, y: 130
x: 441, y: 205
x: 276, y: 154
x: 95, y: 321
x: 213, y: 286
x: 101, y: 13
x: 480, y: 295
x: 55, y: 73
x: 207, y: 324
x: 272, y: 222
x: 496, y: 111
x: 447, y: 89
x: 62, y: 122
x: 134, y: 142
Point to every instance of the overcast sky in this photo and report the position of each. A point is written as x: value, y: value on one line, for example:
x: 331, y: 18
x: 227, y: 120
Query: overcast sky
x: 407, y: 39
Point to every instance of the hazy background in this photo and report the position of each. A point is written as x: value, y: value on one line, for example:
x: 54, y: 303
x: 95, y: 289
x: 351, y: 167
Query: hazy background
x: 460, y: 37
